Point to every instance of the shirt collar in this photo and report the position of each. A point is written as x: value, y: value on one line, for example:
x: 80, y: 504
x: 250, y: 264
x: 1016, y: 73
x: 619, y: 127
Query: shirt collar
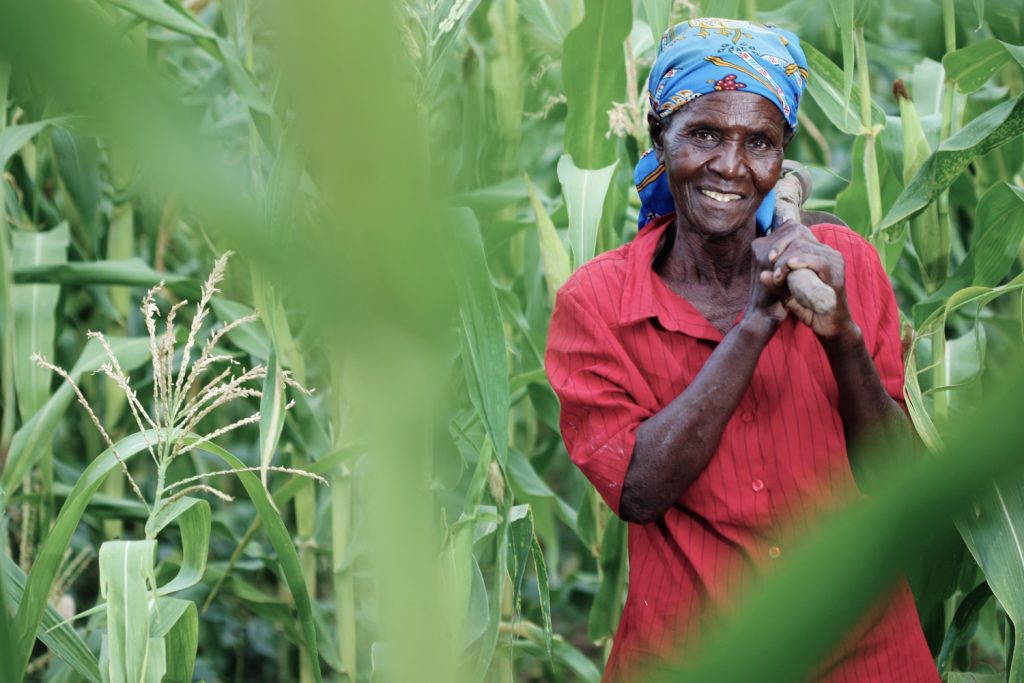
x: 646, y: 296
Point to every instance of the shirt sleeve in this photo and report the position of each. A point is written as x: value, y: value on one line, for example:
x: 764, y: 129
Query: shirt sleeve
x: 887, y: 353
x: 589, y: 371
x: 873, y: 304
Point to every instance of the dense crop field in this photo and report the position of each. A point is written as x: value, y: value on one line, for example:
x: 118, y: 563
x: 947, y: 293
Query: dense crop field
x: 334, y: 455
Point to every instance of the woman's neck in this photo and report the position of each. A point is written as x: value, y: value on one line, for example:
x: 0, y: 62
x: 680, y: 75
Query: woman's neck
x: 694, y: 259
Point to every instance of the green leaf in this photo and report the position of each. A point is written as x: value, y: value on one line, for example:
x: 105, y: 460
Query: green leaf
x: 594, y: 74
x: 177, y: 623
x: 659, y: 13
x: 30, y: 441
x: 993, y: 528
x: 160, y: 14
x: 252, y: 339
x: 126, y: 581
x: 54, y: 631
x: 284, y: 550
x: 193, y: 517
x: 272, y: 414
x: 13, y: 138
x: 484, y: 346
x: 131, y: 272
x: 78, y: 158
x: 842, y: 11
x: 825, y: 86
x: 564, y: 653
x: 998, y: 233
x: 964, y: 624
x: 988, y: 131
x: 971, y: 67
x: 585, y: 192
x: 557, y: 266
x: 44, y: 571
x: 607, y: 607
x: 549, y: 17
x: 520, y: 544
x: 35, y: 315
x: 540, y: 568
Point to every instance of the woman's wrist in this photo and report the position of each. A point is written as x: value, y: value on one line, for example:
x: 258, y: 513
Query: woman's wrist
x: 758, y: 326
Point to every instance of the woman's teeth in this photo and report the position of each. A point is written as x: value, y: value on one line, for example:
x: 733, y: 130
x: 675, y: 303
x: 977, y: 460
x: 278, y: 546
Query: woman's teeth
x: 718, y: 196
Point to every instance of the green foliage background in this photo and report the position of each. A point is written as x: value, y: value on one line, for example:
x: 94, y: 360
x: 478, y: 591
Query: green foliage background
x: 406, y: 185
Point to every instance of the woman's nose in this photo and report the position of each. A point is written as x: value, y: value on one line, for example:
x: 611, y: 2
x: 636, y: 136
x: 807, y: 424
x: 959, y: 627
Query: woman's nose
x: 728, y: 160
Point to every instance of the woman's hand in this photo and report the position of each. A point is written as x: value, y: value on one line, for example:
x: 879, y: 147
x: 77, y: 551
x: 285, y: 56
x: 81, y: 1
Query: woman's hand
x: 764, y: 302
x: 792, y: 246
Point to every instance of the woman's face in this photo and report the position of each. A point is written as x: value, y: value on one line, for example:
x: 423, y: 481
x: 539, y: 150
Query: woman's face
x: 723, y: 153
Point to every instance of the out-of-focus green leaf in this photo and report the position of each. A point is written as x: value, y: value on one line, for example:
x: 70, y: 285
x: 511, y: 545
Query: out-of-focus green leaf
x: 28, y: 443
x: 557, y: 265
x: 34, y: 311
x: 126, y: 581
x: 6, y: 635
x: 594, y: 74
x: 604, y: 615
x: 988, y: 131
x: 483, y: 335
x: 970, y: 67
x: 157, y: 12
x: 131, y: 273
x: 825, y: 85
x: 585, y: 192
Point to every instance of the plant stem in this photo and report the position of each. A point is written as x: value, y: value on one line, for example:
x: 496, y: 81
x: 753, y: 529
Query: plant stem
x: 940, y: 364
x: 305, y: 521
x: 874, y: 188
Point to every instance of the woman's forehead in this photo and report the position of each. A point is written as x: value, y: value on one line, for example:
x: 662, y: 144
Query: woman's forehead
x: 730, y: 109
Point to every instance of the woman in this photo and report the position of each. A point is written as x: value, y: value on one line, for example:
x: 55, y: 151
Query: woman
x: 709, y: 409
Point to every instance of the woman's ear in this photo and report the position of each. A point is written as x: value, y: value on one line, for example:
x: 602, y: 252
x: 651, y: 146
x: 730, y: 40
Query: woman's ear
x: 657, y: 128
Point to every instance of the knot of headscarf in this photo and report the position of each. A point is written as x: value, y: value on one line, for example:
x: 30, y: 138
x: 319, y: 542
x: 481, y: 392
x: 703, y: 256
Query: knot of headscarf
x: 703, y: 56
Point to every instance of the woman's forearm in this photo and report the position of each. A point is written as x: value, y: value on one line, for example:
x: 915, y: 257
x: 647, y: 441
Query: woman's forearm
x: 675, y: 445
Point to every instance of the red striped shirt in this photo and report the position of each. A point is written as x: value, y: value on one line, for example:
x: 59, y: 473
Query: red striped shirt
x: 622, y: 346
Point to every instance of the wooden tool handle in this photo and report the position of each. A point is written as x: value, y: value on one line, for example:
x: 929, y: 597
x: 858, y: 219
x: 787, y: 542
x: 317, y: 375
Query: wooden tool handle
x: 805, y: 285
x: 811, y: 292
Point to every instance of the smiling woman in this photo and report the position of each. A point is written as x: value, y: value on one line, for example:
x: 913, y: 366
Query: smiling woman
x: 709, y: 408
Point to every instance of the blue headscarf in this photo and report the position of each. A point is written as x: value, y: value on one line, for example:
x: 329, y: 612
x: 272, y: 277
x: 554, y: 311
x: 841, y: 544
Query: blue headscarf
x: 703, y: 56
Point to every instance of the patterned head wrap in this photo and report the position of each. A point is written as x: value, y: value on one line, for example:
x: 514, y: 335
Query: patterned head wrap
x: 703, y: 56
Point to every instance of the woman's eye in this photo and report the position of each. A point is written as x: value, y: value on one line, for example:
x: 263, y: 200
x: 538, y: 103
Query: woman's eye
x: 704, y: 135
x: 760, y: 144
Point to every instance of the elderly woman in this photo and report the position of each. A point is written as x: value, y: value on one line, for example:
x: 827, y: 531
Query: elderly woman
x: 710, y: 409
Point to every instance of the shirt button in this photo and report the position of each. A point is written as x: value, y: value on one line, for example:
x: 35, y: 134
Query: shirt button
x: 774, y: 552
x: 747, y: 417
x: 757, y: 485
